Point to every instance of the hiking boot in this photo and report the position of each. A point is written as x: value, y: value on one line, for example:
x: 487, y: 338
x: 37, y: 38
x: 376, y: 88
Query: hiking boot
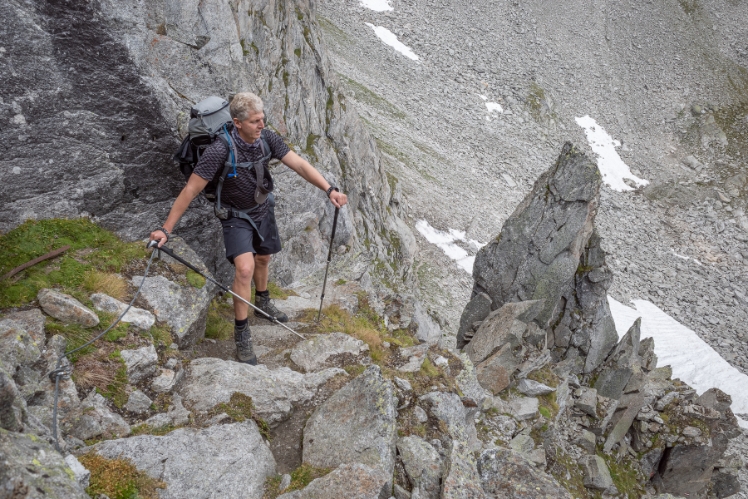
x: 244, y: 351
x: 265, y: 304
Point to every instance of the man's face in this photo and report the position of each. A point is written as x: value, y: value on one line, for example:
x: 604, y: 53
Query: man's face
x: 250, y: 128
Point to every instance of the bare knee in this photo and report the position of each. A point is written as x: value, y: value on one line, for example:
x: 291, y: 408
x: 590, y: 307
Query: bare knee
x: 245, y: 268
x: 262, y: 261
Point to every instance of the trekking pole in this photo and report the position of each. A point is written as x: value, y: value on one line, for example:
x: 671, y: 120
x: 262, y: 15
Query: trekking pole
x: 329, y: 257
x: 169, y: 252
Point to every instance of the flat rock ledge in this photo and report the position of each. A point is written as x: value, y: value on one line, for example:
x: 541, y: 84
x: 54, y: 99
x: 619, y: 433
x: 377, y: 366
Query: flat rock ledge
x: 210, y: 381
x: 228, y: 461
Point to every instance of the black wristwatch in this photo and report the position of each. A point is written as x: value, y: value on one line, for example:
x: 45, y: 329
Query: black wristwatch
x: 330, y: 189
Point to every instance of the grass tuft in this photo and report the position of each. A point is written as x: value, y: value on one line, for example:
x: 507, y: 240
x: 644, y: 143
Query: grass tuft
x: 91, y: 249
x: 96, y: 281
x: 240, y: 408
x: 220, y: 322
x: 194, y: 279
x: 118, y: 479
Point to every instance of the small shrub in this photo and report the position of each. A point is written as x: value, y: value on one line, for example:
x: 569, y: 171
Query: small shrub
x: 119, y: 479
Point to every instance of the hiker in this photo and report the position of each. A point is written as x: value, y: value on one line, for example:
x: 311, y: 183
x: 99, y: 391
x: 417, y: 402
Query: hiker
x: 250, y: 233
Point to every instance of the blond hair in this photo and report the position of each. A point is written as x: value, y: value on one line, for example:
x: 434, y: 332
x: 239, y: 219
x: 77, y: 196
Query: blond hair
x: 243, y: 104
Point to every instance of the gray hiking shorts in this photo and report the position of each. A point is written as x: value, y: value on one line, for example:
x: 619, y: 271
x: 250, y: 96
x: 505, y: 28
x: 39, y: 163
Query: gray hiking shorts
x: 240, y: 237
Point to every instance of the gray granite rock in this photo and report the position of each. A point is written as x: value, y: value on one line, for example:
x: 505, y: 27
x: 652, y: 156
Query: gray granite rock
x: 461, y: 478
x: 199, y: 462
x: 522, y: 444
x: 315, y: 353
x: 458, y: 419
x: 403, y: 384
x: 533, y: 388
x: 17, y: 347
x: 176, y: 415
x: 167, y: 379
x: 615, y: 373
x: 587, y: 441
x: 423, y: 465
x: 31, y: 321
x: 82, y: 475
x: 523, y: 408
x: 66, y: 308
x: 33, y: 469
x: 140, y: 363
x: 503, y: 326
x: 95, y: 419
x: 427, y: 330
x: 355, y: 425
x: 348, y: 481
x: 467, y: 382
x: 209, y: 382
x: 415, y: 356
x: 506, y: 474
x: 184, y: 308
x: 138, y: 317
x: 138, y: 402
x: 476, y: 310
x: 596, y: 473
x: 12, y: 404
x: 587, y: 401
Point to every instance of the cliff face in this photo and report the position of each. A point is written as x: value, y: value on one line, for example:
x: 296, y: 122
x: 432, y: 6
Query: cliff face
x: 94, y: 96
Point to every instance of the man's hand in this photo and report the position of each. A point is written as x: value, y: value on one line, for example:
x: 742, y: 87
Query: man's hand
x: 338, y: 199
x: 158, y: 235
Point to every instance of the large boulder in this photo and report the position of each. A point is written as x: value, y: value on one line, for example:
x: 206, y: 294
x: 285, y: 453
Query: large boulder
x: 210, y: 382
x: 348, y: 481
x: 355, y: 425
x: 227, y: 461
x: 66, y: 308
x: 547, y: 250
x: 33, y: 469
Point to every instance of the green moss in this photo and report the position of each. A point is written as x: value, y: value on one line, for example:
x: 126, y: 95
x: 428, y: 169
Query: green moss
x: 161, y: 334
x: 392, y: 181
x: 689, y: 6
x: 569, y: 474
x: 245, y: 52
x: 340, y: 282
x: 91, y: 248
x: 279, y: 293
x: 240, y: 408
x: 118, y: 479
x: 297, y: 52
x: 195, y: 280
x: 429, y: 369
x: 145, y: 429
x: 626, y: 476
x: 309, y: 149
x: 300, y: 478
x: 545, y: 376
x: 220, y: 322
x: 545, y: 412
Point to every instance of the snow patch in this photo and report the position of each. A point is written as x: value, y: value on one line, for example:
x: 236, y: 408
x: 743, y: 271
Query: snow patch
x: 691, y: 358
x: 390, y: 39
x: 494, y: 107
x: 446, y: 241
x: 377, y: 5
x: 611, y: 166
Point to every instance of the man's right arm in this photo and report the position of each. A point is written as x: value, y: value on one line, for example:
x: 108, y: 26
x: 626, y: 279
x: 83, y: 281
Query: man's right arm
x: 195, y: 186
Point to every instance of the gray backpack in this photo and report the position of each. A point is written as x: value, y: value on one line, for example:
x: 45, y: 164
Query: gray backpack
x: 210, y: 120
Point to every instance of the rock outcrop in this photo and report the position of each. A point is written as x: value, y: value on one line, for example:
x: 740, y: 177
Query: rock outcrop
x: 548, y: 251
x: 240, y: 460
x: 540, y: 306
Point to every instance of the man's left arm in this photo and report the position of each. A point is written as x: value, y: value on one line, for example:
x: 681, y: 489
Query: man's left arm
x: 311, y: 175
